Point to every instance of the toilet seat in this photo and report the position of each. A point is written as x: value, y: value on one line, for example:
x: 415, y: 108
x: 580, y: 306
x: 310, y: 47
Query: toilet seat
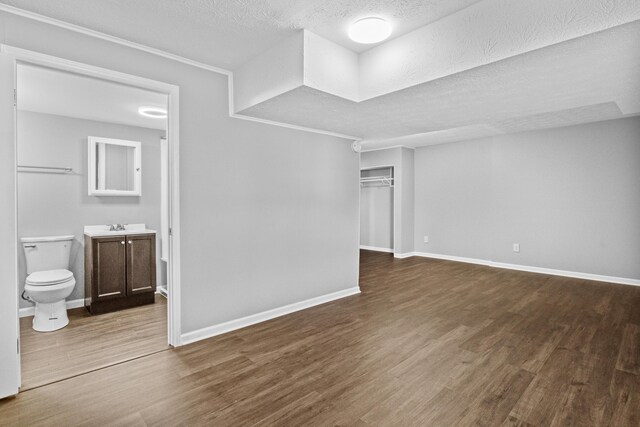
x: 49, y: 277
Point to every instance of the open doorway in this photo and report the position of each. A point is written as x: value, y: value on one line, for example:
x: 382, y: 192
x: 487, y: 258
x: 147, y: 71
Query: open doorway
x: 80, y: 128
x: 377, y: 209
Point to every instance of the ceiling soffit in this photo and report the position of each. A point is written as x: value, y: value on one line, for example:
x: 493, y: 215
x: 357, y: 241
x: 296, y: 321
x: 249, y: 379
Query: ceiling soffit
x: 489, y: 32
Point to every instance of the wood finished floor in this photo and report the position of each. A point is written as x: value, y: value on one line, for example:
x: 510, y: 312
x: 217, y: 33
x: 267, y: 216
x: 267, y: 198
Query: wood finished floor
x: 428, y: 342
x: 91, y: 342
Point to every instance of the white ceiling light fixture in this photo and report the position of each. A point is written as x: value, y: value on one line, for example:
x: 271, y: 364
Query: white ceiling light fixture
x: 369, y: 30
x: 153, y: 112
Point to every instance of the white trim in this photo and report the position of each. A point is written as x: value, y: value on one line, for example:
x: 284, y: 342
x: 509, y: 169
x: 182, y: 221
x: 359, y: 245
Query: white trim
x: 90, y: 70
x: 174, y: 318
x: 370, y: 168
x: 397, y: 193
x: 530, y: 269
x: 375, y: 248
x: 30, y: 311
x: 287, y: 125
x: 106, y: 37
x: 161, y: 290
x: 99, y: 165
x: 173, y: 136
x: 232, y: 325
x: 364, y: 150
x: 573, y: 274
x: 164, y: 202
x: 117, y: 40
x: 10, y: 375
x: 453, y: 258
x: 401, y: 256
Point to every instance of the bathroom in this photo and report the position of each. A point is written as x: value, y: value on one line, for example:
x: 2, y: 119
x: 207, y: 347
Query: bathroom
x: 92, y: 169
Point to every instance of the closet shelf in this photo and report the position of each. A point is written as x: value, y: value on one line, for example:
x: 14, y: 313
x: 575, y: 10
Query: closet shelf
x: 377, y: 179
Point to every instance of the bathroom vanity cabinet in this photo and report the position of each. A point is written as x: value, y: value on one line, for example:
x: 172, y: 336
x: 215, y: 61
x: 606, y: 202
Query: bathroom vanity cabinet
x: 120, y: 271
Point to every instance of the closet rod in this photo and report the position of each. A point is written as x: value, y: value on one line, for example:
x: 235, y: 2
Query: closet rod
x: 376, y: 178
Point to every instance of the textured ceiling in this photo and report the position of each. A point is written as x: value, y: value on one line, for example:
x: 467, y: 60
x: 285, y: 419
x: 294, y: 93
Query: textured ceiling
x: 552, y: 119
x: 454, y: 69
x: 43, y: 90
x: 227, y: 33
x: 564, y: 76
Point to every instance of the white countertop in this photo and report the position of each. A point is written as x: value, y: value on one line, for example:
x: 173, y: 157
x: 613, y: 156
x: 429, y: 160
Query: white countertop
x: 103, y: 230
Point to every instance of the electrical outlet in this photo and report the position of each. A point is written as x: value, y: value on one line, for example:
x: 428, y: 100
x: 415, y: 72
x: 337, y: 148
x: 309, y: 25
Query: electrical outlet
x: 516, y: 247
x: 426, y: 239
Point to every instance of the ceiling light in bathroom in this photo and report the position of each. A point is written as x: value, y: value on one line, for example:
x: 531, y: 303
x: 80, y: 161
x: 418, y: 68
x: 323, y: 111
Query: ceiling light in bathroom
x: 369, y: 30
x: 154, y: 112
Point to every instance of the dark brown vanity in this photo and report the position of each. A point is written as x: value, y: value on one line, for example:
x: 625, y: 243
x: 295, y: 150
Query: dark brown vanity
x: 119, y: 270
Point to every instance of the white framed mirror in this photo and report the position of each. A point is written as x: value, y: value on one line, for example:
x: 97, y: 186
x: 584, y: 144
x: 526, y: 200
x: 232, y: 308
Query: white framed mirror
x: 114, y: 167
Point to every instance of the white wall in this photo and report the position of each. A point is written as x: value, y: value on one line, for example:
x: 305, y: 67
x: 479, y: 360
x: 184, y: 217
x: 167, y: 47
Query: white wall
x: 269, y: 215
x: 54, y: 204
x: 330, y: 67
x: 569, y: 196
x: 376, y: 217
x: 453, y: 199
x: 274, y: 72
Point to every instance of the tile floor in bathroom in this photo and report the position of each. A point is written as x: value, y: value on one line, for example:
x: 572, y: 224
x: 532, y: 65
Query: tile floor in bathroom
x: 91, y: 342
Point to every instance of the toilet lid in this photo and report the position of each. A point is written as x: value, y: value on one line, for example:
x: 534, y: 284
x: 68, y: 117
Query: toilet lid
x: 48, y: 277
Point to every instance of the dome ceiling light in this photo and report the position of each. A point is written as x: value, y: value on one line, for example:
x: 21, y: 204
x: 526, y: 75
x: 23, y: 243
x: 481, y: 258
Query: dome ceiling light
x: 154, y: 112
x: 369, y: 30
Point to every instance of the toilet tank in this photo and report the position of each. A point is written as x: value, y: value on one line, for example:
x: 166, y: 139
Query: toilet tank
x: 47, y: 253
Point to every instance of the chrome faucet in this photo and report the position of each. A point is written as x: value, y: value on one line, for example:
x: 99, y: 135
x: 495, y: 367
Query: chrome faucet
x: 116, y: 227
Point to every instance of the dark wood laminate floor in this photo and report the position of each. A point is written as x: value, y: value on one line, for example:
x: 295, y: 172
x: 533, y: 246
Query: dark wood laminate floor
x: 428, y: 342
x: 91, y: 342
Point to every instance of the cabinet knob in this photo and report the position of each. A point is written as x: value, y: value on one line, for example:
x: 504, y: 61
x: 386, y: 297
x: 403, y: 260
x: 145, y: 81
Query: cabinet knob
x: 130, y: 242
x: 122, y: 243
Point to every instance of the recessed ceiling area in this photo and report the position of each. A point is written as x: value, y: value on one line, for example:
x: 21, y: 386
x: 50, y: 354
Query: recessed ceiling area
x: 451, y: 70
x: 470, y: 71
x: 494, y: 96
x: 49, y: 91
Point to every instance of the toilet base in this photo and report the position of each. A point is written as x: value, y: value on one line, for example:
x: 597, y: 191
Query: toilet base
x: 50, y: 316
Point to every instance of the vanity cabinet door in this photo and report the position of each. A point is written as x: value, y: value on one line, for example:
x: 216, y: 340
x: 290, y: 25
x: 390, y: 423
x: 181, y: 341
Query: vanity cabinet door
x: 141, y: 263
x: 109, y: 275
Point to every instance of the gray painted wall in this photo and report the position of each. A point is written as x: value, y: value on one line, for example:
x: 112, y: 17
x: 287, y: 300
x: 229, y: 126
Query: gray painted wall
x: 401, y: 159
x: 407, y: 187
x: 54, y: 204
x: 269, y: 215
x: 376, y: 216
x: 569, y: 196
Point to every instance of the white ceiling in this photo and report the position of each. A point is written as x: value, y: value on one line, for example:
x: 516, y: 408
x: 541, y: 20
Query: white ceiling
x: 44, y: 90
x: 227, y: 33
x: 453, y: 70
x: 507, y: 96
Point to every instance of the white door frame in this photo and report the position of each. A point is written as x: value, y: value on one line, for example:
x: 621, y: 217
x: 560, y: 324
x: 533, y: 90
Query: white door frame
x: 396, y: 219
x: 173, y: 136
x: 9, y: 326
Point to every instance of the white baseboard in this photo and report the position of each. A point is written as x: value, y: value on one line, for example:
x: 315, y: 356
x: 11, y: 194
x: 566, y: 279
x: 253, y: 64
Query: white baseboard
x: 30, y: 311
x: 574, y: 274
x: 232, y: 325
x: 452, y: 258
x: 377, y: 249
x: 407, y: 255
x: 162, y: 291
x: 542, y: 270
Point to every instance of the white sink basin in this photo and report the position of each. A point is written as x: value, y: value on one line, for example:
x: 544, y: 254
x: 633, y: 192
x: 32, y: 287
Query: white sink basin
x: 104, y: 230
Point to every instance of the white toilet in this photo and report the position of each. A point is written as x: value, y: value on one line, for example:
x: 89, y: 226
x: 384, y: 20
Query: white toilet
x: 48, y: 282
